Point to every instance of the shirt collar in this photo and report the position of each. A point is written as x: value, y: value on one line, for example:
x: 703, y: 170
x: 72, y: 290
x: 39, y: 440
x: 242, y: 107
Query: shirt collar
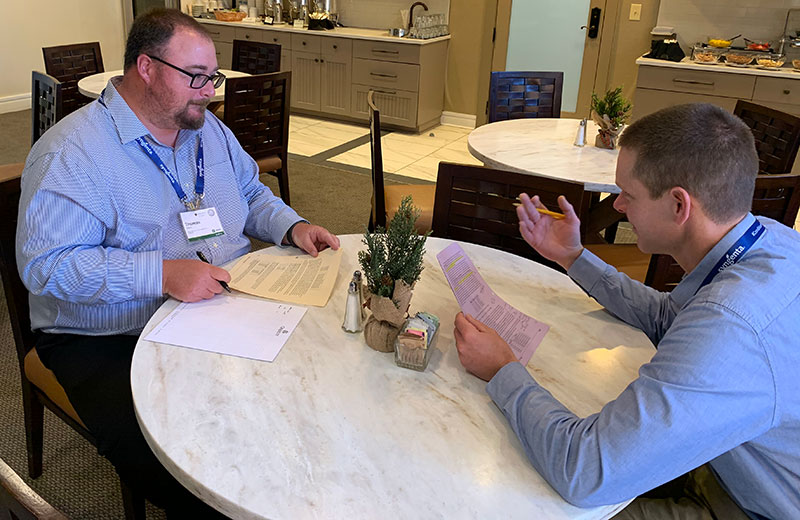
x: 692, y: 281
x: 128, y: 125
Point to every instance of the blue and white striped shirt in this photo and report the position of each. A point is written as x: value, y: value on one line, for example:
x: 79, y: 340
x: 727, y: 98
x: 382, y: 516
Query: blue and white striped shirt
x: 97, y: 217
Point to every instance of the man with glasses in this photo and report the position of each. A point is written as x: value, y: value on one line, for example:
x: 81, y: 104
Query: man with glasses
x: 103, y: 233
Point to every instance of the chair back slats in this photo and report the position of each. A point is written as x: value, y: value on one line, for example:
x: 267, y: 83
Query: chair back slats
x: 477, y: 204
x: 777, y: 136
x: 775, y: 196
x: 256, y: 57
x: 69, y: 64
x: 378, y: 212
x: 516, y: 95
x: 46, y: 104
x: 257, y: 112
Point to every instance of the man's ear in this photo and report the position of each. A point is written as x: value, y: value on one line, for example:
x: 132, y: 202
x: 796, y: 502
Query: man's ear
x: 144, y: 66
x: 682, y: 204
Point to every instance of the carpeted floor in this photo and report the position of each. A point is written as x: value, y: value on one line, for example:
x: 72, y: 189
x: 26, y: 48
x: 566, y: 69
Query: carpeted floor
x: 75, y: 479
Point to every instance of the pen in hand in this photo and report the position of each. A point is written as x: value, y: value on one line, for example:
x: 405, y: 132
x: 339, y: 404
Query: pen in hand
x: 202, y: 257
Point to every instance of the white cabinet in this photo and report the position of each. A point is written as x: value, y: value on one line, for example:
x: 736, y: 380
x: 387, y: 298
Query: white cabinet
x: 321, y: 70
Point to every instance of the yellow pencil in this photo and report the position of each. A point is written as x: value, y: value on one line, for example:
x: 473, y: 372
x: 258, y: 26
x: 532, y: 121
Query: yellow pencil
x: 543, y: 211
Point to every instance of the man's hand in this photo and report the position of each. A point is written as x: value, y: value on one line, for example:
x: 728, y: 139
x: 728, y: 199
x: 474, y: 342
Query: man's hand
x: 556, y: 240
x: 480, y: 349
x: 192, y: 280
x: 313, y: 239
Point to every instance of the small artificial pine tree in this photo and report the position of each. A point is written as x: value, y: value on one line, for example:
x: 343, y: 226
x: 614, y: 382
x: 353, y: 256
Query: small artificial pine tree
x: 394, y: 253
x: 613, y: 105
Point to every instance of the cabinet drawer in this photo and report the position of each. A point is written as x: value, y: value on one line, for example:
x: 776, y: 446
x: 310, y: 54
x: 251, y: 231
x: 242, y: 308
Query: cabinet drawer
x: 646, y: 101
x: 401, y: 52
x: 777, y: 90
x: 374, y: 73
x: 305, y: 43
x: 691, y: 81
x: 284, y: 39
x: 250, y: 35
x: 397, y: 107
x: 220, y: 33
x: 339, y: 48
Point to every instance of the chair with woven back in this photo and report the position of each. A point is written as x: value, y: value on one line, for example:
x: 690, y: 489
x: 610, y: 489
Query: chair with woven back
x: 256, y: 57
x: 777, y: 136
x: 69, y: 64
x: 257, y: 112
x: 386, y: 199
x: 519, y: 94
x: 19, y: 502
x: 478, y: 204
x: 775, y: 196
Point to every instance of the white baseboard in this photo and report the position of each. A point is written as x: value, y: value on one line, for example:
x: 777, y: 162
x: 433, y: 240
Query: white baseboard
x: 15, y: 103
x: 456, y: 119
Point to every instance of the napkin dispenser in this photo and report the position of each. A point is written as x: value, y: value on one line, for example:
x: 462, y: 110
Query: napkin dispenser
x: 667, y: 49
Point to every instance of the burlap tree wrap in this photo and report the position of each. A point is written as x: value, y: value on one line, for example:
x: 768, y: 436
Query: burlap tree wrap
x: 387, y: 318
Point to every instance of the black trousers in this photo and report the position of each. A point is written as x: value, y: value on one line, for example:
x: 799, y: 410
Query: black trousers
x: 95, y: 372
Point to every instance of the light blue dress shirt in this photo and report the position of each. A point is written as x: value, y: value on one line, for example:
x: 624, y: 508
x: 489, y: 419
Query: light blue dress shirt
x: 722, y: 386
x: 97, y: 217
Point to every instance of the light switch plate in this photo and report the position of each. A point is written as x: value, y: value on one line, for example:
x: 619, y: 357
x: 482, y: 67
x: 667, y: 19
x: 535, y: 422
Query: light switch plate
x: 636, y: 12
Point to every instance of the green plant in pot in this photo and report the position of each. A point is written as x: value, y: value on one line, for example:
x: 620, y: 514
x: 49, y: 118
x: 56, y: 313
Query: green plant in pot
x: 610, y: 112
x: 391, y: 264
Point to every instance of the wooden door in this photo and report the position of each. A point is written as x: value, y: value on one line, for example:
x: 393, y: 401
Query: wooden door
x: 305, y: 80
x: 335, y: 85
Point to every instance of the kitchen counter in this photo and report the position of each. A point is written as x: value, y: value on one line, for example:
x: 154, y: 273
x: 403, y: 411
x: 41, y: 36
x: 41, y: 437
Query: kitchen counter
x: 686, y: 64
x: 340, y: 32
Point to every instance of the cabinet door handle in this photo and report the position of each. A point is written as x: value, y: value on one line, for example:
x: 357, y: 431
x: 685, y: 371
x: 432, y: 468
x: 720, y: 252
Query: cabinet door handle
x: 275, y: 40
x: 390, y: 92
x: 787, y: 91
x: 693, y: 82
x: 380, y: 75
x: 321, y: 60
x: 246, y: 36
x: 304, y: 43
x: 381, y: 51
x: 316, y: 60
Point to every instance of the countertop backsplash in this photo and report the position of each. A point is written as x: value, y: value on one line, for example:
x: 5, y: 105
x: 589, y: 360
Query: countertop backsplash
x: 384, y: 14
x: 697, y: 20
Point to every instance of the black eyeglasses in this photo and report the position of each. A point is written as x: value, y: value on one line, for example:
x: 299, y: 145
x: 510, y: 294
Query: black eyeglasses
x: 198, y: 80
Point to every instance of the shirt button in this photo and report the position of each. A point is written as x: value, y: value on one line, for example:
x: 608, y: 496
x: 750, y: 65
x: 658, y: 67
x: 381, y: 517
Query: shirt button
x: 216, y: 245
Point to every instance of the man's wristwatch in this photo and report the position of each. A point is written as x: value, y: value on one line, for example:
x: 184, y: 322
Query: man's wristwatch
x: 289, y: 238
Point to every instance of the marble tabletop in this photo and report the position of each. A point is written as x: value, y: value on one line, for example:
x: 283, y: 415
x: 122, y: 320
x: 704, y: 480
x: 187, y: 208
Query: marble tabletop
x: 93, y: 85
x: 333, y: 429
x: 546, y: 147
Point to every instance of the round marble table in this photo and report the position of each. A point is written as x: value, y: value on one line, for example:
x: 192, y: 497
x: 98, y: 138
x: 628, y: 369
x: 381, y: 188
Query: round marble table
x: 93, y: 85
x: 333, y: 429
x: 545, y: 147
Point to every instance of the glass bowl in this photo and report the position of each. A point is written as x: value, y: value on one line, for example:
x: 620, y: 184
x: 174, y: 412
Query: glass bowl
x: 738, y: 59
x: 770, y: 61
x: 706, y: 55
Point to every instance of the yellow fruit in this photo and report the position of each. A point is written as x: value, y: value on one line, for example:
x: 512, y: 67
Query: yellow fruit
x: 719, y: 43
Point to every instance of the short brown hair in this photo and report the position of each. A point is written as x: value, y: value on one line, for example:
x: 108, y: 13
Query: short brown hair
x: 701, y: 148
x: 151, y: 32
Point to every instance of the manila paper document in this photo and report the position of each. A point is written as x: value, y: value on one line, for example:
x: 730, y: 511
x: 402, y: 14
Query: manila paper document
x: 300, y: 279
x: 522, y: 333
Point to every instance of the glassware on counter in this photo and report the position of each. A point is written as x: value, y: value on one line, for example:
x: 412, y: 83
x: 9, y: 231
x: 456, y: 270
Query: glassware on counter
x: 770, y: 61
x: 704, y: 54
x: 738, y: 58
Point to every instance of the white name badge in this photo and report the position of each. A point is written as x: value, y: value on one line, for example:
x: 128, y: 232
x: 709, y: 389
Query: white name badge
x: 201, y: 224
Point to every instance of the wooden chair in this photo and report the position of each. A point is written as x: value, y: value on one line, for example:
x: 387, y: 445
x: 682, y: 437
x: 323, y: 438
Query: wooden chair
x: 19, y: 502
x: 777, y: 136
x: 516, y: 95
x: 257, y: 112
x: 40, y: 388
x: 477, y: 204
x: 69, y: 64
x: 256, y: 57
x: 46, y: 104
x: 775, y: 196
x: 386, y: 199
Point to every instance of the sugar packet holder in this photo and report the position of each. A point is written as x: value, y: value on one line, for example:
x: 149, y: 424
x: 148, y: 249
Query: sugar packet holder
x: 413, y: 346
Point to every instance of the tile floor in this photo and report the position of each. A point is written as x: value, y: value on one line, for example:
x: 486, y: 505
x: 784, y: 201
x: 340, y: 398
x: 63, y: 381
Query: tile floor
x: 411, y: 155
x: 408, y: 154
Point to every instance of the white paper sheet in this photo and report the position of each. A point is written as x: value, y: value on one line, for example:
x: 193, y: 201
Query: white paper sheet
x: 230, y: 324
x: 522, y: 333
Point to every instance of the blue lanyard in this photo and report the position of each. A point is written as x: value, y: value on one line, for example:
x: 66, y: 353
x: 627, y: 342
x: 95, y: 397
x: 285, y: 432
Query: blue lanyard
x: 736, y: 251
x: 200, y: 182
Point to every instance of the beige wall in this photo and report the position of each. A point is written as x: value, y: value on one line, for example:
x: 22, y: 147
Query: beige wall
x: 470, y: 55
x: 632, y: 39
x: 45, y: 23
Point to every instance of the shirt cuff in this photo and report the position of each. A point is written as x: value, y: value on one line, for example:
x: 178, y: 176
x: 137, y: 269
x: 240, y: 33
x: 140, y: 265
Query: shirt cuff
x: 505, y: 384
x: 288, y: 233
x: 587, y: 270
x: 147, y: 274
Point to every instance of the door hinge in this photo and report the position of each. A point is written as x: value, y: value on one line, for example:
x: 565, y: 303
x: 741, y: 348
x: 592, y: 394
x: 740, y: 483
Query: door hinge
x: 487, y: 109
x: 494, y: 33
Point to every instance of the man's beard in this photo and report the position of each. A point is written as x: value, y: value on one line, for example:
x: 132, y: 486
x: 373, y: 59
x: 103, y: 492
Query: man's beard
x: 185, y: 120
